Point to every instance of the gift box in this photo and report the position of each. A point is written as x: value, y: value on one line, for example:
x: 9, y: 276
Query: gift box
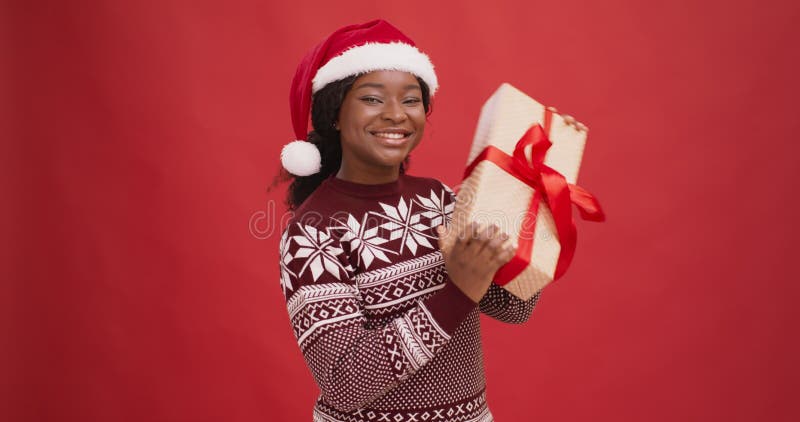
x: 521, y: 175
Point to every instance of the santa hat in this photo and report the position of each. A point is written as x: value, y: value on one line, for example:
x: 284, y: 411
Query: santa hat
x: 351, y: 50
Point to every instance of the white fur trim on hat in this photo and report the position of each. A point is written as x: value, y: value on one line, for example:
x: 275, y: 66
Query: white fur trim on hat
x: 377, y: 56
x: 301, y: 158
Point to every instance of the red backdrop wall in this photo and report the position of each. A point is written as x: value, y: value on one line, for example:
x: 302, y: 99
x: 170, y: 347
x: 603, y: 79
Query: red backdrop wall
x: 140, y: 138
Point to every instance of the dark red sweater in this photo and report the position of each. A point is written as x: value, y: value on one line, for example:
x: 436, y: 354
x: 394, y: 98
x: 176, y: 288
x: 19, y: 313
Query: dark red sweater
x: 384, y: 331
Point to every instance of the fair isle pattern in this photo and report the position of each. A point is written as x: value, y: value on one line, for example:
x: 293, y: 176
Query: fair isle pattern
x: 437, y: 207
x: 358, y: 283
x: 285, y: 258
x: 405, y: 225
x: 499, y: 304
x: 344, y: 326
x: 448, y: 201
x: 387, y: 290
x: 364, y: 241
x: 400, y: 269
x: 309, y: 294
x: 397, y: 294
x: 419, y: 340
x: 474, y: 410
x: 316, y: 249
x: 455, y: 375
x: 410, y: 222
x: 320, y: 306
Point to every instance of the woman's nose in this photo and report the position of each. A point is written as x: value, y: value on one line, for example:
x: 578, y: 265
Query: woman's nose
x: 394, y: 111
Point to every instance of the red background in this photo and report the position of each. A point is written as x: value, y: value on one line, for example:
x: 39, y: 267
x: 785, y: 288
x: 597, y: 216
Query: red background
x: 139, y: 139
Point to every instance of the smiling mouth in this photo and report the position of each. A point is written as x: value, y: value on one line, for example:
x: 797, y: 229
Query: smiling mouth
x: 393, y: 137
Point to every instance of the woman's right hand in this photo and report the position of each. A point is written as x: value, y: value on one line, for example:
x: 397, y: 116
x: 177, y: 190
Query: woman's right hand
x: 477, y: 252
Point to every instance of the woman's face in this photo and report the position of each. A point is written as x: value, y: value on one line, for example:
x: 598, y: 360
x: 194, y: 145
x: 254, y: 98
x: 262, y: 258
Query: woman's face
x: 382, y: 118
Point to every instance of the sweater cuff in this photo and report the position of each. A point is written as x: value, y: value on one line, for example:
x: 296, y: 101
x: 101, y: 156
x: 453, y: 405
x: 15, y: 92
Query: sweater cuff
x: 449, y: 306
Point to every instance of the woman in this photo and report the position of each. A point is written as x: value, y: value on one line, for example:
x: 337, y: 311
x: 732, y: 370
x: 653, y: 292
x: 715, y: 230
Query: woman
x: 387, y: 323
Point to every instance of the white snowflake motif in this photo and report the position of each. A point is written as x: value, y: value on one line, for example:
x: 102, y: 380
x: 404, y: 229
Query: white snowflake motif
x: 404, y: 225
x: 319, y: 251
x: 285, y: 258
x: 364, y: 241
x: 437, y: 209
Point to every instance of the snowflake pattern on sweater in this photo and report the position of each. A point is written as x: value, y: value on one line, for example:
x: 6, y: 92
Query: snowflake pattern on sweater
x: 383, y: 329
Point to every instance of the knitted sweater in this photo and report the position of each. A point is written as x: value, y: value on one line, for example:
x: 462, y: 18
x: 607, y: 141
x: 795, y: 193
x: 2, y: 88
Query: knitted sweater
x: 386, y: 334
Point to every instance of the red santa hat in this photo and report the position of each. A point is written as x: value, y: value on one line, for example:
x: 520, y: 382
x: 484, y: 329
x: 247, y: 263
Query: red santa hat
x: 351, y: 50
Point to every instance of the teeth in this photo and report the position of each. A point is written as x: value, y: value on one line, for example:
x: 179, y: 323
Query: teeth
x: 390, y: 135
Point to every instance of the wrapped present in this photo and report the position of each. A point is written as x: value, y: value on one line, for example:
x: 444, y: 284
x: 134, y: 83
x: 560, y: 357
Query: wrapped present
x: 521, y: 175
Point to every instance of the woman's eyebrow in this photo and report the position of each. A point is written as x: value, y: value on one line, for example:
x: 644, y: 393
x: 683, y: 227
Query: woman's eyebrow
x: 370, y: 85
x: 381, y: 86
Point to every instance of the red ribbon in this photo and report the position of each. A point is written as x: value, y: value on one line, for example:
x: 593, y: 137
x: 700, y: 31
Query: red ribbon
x: 550, y: 186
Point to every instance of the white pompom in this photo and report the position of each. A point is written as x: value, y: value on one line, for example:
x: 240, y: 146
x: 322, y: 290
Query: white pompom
x: 301, y: 158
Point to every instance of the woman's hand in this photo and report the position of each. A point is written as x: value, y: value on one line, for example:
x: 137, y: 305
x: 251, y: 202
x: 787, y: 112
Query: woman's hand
x: 477, y: 252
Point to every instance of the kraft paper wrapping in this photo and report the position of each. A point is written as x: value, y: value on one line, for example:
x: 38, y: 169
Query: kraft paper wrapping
x: 491, y: 195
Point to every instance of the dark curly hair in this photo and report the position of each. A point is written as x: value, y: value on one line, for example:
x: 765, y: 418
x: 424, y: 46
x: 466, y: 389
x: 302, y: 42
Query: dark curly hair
x: 325, y: 107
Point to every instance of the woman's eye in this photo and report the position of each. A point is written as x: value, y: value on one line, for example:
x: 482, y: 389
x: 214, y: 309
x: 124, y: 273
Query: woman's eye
x: 370, y: 100
x: 413, y: 101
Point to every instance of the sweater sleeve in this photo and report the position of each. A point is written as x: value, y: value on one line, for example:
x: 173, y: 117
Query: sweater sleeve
x: 503, y: 306
x: 351, y: 364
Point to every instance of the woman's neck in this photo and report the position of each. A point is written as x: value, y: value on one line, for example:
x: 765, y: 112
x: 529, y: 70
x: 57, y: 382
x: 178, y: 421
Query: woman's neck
x: 369, y: 176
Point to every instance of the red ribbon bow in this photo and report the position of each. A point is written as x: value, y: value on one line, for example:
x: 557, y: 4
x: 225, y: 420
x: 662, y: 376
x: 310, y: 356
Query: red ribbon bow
x: 550, y: 186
